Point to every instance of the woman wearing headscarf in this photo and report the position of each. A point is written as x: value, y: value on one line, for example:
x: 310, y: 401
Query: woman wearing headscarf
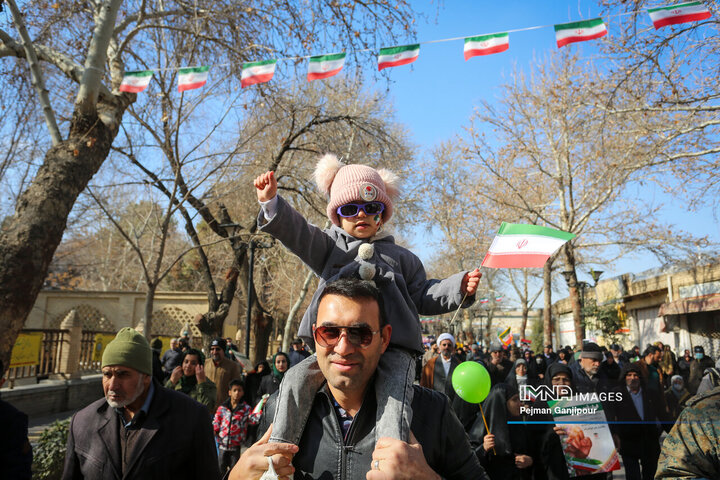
x: 505, y: 451
x: 271, y: 383
x: 550, y: 461
x: 676, y: 397
x: 563, y: 357
x: 552, y: 454
x: 189, y: 378
x: 252, y: 381
x: 519, y: 375
x: 667, y: 365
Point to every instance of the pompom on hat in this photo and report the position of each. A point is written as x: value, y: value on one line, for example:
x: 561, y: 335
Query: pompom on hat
x: 355, y: 183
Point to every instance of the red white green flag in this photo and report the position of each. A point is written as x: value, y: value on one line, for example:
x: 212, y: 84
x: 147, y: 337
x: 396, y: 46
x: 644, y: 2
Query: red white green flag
x: 523, y: 246
x: 325, y: 66
x: 680, y: 13
x: 506, y: 337
x: 486, y: 44
x: 136, y: 82
x: 499, y: 298
x: 396, y: 56
x: 257, y: 72
x: 484, y: 300
x: 567, y: 33
x: 192, y: 78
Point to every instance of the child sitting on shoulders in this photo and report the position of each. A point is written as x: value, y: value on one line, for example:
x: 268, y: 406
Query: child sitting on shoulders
x: 361, y: 203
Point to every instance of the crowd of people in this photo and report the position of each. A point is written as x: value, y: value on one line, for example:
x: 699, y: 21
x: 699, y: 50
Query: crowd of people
x: 656, y: 388
x: 354, y: 410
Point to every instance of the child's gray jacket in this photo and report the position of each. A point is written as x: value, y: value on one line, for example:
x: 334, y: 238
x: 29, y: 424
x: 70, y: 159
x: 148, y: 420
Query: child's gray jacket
x: 398, y: 273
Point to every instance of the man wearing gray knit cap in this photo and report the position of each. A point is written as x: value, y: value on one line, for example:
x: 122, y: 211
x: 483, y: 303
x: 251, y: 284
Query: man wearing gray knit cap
x: 140, y: 430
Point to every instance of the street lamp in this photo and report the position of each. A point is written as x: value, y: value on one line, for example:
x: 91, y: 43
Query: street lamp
x: 595, y: 274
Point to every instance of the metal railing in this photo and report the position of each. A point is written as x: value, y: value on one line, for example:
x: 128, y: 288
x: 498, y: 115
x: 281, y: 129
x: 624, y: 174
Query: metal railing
x: 87, y: 352
x: 48, y: 357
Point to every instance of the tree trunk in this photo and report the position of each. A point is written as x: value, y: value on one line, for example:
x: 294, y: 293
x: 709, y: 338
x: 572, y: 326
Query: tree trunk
x: 29, y: 237
x: 262, y: 331
x: 547, y: 308
x: 149, y: 305
x: 293, y: 311
x: 574, y: 295
x: 523, y: 324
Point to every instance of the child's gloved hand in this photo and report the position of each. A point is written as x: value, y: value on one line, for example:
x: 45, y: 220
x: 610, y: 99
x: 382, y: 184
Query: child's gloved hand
x: 266, y: 186
x: 470, y: 282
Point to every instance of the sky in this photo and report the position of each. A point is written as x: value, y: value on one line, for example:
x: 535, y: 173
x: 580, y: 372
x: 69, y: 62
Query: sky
x: 435, y: 96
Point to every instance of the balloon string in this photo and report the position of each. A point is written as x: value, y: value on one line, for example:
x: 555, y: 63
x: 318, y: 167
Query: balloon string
x: 487, y: 429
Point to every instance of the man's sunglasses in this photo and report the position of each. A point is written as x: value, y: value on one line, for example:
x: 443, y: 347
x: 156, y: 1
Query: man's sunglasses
x: 352, y: 209
x: 329, y: 336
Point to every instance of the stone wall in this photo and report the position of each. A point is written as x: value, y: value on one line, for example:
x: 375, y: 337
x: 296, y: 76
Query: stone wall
x: 55, y: 396
x: 111, y: 311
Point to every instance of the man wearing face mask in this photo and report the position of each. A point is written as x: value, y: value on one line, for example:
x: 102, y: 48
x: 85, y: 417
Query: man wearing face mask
x: 676, y: 396
x: 697, y: 368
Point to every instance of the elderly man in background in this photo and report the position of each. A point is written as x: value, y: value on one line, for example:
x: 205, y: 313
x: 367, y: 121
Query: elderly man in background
x: 139, y: 430
x: 221, y: 370
x: 437, y: 372
x: 171, y: 358
x: 586, y: 371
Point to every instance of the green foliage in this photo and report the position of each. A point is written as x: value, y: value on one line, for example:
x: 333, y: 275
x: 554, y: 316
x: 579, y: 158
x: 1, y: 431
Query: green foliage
x: 49, y: 454
x: 604, y: 318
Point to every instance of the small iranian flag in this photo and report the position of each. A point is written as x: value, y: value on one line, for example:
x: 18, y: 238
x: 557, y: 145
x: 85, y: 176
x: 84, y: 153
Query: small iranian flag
x: 396, y: 56
x: 523, y: 246
x: 566, y: 33
x: 680, y: 13
x: 484, y: 300
x: 486, y: 44
x: 506, y: 337
x: 257, y: 72
x: 192, y: 78
x: 499, y: 298
x: 325, y: 66
x: 136, y: 82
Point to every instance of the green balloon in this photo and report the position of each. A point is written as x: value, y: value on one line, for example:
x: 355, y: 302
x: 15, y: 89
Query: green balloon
x: 471, y: 382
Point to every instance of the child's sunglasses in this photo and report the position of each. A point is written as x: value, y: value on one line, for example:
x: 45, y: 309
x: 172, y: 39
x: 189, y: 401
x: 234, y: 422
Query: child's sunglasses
x: 352, y: 209
x: 329, y: 336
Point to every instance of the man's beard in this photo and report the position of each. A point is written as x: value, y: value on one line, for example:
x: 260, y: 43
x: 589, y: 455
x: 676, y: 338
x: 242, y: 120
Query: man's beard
x: 124, y: 403
x: 446, y: 354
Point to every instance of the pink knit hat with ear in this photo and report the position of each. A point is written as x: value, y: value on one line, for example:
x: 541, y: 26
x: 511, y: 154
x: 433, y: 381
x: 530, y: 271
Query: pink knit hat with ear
x: 355, y: 184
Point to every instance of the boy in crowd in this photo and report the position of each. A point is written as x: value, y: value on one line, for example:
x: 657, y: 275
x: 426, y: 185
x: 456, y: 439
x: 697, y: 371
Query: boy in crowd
x: 230, y: 424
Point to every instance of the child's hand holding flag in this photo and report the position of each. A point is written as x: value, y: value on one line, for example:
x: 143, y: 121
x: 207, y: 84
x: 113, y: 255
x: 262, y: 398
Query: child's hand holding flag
x: 470, y: 282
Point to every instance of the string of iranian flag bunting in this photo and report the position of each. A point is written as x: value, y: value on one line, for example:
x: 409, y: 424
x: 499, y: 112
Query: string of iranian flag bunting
x: 325, y: 66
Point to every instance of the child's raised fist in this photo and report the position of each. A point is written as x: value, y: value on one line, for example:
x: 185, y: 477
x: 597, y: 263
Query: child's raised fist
x: 266, y: 186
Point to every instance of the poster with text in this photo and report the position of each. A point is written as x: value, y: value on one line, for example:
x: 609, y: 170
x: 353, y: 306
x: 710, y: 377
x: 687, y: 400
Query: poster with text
x: 588, y: 445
